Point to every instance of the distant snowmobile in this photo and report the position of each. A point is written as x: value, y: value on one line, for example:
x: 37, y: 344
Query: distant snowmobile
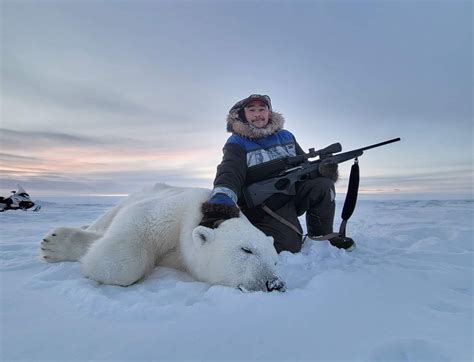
x: 18, y: 200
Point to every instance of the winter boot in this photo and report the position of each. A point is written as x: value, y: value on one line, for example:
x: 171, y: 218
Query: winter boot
x: 343, y: 242
x: 319, y: 227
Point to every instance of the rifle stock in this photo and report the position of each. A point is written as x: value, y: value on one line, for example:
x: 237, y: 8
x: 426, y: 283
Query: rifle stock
x: 258, y: 192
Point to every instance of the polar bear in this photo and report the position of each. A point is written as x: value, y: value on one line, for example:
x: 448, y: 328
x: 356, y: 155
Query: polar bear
x: 160, y: 226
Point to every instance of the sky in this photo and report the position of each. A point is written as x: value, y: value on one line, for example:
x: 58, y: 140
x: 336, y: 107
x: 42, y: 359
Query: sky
x: 105, y: 98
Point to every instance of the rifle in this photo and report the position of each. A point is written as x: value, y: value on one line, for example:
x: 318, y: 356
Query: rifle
x: 299, y: 169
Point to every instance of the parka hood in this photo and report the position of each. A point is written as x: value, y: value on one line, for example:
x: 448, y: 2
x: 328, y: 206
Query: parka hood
x: 248, y: 130
x: 239, y: 126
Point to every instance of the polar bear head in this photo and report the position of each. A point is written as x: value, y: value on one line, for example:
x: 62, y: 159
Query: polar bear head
x: 235, y: 254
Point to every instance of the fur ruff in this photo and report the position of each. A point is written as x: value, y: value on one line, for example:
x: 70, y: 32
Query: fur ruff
x: 247, y: 130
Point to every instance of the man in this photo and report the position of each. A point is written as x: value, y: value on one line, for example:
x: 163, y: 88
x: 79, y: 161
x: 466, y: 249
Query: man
x: 257, y: 138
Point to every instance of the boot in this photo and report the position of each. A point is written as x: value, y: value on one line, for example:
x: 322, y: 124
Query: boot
x: 320, y: 226
x: 343, y: 242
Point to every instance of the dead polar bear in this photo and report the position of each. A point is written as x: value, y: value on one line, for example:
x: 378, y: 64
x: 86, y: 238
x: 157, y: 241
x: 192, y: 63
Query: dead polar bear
x: 159, y: 226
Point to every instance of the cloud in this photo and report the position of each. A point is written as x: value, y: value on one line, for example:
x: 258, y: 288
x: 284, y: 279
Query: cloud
x: 32, y: 139
x: 51, y: 162
x: 22, y: 82
x: 55, y: 162
x: 36, y: 96
x: 16, y: 158
x: 26, y: 141
x: 457, y: 180
x: 109, y: 183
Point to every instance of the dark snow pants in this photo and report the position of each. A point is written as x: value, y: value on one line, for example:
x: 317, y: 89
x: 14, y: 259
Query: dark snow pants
x: 313, y: 196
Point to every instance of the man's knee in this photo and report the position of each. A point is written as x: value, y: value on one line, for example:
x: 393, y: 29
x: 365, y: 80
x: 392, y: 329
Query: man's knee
x: 317, y: 192
x: 322, y: 182
x: 320, y: 186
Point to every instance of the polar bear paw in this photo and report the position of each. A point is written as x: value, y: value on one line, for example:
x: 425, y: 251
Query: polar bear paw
x: 66, y: 244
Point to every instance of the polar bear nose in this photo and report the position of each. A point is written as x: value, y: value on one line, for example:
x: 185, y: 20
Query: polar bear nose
x: 276, y: 284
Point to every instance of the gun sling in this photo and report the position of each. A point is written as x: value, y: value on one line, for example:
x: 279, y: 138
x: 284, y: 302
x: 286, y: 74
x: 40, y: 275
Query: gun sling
x: 351, y: 196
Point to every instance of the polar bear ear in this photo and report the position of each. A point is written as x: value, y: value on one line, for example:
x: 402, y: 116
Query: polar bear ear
x: 270, y: 239
x: 202, y: 235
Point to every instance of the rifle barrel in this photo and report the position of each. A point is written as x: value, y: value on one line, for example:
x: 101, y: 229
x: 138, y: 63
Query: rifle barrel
x: 379, y: 144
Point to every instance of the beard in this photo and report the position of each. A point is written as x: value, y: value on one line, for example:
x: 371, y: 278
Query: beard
x: 259, y: 123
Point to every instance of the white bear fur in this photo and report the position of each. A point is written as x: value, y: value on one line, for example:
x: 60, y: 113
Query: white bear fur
x: 159, y: 226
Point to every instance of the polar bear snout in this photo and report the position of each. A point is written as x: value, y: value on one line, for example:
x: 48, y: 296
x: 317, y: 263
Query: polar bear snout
x: 272, y: 284
x: 276, y: 284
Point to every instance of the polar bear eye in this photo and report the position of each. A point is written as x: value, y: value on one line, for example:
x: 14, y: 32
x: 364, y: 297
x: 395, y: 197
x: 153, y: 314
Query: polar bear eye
x: 248, y: 251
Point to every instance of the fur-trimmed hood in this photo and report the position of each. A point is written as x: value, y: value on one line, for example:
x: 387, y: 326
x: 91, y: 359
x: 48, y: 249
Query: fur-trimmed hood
x: 247, y: 130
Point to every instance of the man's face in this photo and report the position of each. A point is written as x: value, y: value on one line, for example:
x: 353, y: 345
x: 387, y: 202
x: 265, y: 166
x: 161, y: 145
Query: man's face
x: 257, y: 113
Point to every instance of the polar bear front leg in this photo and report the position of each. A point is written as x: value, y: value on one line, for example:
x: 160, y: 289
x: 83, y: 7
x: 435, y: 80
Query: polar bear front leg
x: 118, y: 260
x: 66, y: 244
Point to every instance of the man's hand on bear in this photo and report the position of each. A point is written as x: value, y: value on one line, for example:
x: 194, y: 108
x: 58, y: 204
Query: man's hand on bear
x: 328, y: 168
x: 219, y: 208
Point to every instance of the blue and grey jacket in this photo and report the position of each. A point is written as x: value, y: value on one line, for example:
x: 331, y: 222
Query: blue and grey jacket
x: 247, y: 149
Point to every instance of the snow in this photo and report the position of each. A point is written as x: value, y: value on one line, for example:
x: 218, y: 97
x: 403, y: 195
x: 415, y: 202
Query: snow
x: 404, y: 294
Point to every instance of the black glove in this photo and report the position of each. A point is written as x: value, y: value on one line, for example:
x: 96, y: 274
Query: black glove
x: 328, y: 168
x: 219, y: 208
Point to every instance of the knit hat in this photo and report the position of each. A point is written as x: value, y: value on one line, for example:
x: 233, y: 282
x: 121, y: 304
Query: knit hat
x: 253, y: 97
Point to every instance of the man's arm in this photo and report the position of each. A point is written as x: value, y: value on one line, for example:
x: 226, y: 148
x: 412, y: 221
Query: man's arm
x: 231, y: 172
x: 228, y: 184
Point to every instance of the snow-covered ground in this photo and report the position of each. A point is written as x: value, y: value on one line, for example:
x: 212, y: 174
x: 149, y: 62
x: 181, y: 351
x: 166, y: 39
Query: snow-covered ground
x: 405, y: 294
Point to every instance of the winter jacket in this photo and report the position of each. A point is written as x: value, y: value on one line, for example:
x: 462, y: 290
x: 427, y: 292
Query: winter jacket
x: 247, y: 152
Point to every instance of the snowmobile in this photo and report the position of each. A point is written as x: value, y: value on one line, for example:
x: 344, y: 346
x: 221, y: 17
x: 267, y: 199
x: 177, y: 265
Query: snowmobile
x: 18, y: 200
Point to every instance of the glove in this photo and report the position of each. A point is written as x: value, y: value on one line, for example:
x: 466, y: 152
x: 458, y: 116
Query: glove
x: 219, y: 208
x: 328, y: 168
